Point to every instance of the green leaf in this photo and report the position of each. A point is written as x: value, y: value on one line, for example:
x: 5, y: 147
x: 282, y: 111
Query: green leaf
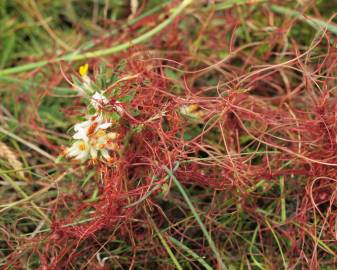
x: 115, y: 116
x: 129, y: 97
x: 138, y: 128
x: 171, y: 74
x: 135, y: 112
x: 7, y: 50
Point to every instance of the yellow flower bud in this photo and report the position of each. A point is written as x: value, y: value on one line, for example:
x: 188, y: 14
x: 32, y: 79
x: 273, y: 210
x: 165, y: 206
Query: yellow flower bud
x: 83, y: 70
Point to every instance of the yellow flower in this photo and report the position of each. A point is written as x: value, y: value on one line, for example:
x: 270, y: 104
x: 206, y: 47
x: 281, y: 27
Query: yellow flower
x: 83, y: 70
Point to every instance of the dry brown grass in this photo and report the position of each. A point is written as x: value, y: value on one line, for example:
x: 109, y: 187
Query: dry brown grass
x: 12, y: 158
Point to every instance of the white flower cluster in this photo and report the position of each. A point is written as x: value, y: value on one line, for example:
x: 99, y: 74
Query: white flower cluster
x: 92, y: 137
x: 93, y: 140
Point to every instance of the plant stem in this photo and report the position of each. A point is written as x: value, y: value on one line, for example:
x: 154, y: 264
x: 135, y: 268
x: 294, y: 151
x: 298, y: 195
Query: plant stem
x: 283, y: 201
x: 316, y: 23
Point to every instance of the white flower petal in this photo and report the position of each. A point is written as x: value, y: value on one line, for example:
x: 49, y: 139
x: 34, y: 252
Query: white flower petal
x: 82, y: 156
x: 184, y: 109
x: 72, y: 151
x: 93, y: 152
x: 105, y: 154
x: 98, y: 99
x: 97, y: 96
x: 78, y: 150
x: 119, y: 107
x: 81, y: 135
x: 101, y: 141
x: 82, y: 125
x: 104, y: 126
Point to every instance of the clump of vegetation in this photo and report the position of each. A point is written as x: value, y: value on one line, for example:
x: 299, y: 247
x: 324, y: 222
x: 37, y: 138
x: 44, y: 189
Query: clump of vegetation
x: 175, y: 134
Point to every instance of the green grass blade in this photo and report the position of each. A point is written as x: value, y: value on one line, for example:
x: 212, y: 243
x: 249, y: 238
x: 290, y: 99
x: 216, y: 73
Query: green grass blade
x: 191, y: 253
x: 166, y: 246
x: 25, y: 196
x: 197, y: 218
x: 28, y: 144
x: 256, y: 262
x: 104, y: 52
x: 278, y: 244
x: 230, y: 3
x: 7, y: 50
x: 283, y: 201
x: 316, y: 23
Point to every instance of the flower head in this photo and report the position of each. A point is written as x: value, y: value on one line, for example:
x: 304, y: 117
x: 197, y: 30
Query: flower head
x: 98, y: 100
x: 92, y: 140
